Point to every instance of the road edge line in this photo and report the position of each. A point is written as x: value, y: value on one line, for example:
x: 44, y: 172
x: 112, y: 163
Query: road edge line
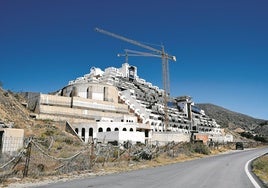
x: 251, y: 178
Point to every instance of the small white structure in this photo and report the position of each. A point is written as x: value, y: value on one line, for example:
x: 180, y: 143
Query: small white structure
x: 107, y: 130
x: 11, y: 140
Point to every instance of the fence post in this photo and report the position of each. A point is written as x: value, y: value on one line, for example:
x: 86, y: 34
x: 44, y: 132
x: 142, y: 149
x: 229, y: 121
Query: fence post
x: 91, y: 153
x: 27, y: 161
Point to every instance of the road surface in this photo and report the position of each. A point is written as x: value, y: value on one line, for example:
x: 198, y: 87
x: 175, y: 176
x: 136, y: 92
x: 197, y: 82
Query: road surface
x: 222, y: 171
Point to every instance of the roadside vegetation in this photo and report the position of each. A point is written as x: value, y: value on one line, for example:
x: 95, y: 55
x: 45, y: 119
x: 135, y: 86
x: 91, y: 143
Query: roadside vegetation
x: 54, y: 153
x: 258, y: 138
x: 260, y: 168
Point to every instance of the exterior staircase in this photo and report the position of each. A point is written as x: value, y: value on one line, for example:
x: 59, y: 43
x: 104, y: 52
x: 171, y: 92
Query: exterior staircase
x: 134, y: 105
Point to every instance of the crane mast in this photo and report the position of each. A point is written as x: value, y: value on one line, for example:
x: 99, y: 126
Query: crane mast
x: 157, y: 53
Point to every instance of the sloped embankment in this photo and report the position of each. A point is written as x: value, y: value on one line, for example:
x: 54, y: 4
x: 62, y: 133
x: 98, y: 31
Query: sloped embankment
x: 12, y: 112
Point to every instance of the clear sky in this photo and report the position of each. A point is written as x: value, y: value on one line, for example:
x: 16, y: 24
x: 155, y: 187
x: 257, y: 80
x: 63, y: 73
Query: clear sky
x: 221, y: 46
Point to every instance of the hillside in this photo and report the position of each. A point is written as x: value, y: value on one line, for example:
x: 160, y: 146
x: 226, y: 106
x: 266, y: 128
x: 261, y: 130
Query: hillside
x: 233, y: 120
x: 12, y: 112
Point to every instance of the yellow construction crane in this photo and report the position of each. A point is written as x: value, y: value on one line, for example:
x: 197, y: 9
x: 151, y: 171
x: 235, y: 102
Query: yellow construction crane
x: 154, y: 53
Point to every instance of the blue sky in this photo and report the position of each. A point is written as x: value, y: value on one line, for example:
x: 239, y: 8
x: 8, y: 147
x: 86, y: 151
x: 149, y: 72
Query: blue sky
x: 221, y: 46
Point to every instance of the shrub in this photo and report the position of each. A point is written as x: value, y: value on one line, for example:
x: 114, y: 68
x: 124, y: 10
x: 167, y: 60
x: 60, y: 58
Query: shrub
x: 198, y: 147
x: 201, y: 148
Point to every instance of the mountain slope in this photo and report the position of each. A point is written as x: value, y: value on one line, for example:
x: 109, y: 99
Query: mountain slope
x: 233, y: 120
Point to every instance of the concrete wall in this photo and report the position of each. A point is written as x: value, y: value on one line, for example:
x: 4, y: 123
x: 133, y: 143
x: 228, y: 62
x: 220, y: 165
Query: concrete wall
x: 78, y: 102
x: 164, y: 138
x: 121, y: 136
x: 69, y: 114
x: 11, y: 140
x: 92, y: 91
x: 222, y: 138
x: 55, y: 100
x: 74, y: 109
x: 33, y: 100
x: 202, y: 136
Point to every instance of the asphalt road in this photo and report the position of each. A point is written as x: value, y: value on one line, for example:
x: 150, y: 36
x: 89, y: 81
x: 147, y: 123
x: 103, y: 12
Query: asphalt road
x: 222, y: 171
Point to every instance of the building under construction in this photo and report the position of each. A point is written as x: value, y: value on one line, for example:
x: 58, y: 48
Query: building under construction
x: 116, y: 105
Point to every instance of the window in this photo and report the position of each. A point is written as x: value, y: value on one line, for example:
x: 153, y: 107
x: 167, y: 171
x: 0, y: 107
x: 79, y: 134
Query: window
x: 131, y: 129
x: 90, y: 132
x: 124, y: 129
x: 108, y: 129
x: 146, y: 133
x: 105, y: 94
x: 100, y: 129
x: 116, y: 129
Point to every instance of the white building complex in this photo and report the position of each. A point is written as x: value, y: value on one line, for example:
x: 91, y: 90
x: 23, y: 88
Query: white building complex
x: 115, y: 105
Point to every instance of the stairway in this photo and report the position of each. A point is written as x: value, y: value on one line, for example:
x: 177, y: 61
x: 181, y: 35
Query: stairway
x: 133, y: 104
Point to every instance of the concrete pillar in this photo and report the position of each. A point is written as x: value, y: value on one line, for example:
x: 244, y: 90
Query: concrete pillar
x: 87, y: 135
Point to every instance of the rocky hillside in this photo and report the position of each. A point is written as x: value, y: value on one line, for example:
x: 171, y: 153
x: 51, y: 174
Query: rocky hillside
x: 233, y: 120
x: 12, y: 111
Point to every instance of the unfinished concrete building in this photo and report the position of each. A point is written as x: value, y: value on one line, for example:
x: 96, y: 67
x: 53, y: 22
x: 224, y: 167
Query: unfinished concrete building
x: 117, y: 105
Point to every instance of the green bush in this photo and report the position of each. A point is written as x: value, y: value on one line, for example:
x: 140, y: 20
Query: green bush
x: 247, y: 135
x: 201, y: 148
x: 260, y: 138
x: 197, y: 147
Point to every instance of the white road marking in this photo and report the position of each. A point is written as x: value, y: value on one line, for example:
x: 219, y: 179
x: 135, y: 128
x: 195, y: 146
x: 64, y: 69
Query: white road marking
x: 253, y: 181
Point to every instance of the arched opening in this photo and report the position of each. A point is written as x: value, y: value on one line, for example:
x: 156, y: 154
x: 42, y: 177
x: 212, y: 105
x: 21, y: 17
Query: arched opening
x: 108, y: 129
x: 63, y: 92
x: 90, y: 132
x: 100, y: 130
x: 131, y: 129
x: 116, y: 129
x: 124, y: 129
x: 74, y: 92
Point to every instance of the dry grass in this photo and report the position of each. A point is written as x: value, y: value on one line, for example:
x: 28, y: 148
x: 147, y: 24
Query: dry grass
x: 123, y: 165
x: 161, y: 160
x: 260, y: 168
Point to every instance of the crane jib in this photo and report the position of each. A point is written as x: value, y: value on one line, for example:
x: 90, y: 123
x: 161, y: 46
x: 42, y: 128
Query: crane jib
x: 161, y: 52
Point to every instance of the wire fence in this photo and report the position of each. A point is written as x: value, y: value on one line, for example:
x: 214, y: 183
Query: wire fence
x: 36, y: 159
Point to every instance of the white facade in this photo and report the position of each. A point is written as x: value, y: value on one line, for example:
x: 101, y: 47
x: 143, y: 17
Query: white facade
x: 144, y: 102
x: 106, y: 130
